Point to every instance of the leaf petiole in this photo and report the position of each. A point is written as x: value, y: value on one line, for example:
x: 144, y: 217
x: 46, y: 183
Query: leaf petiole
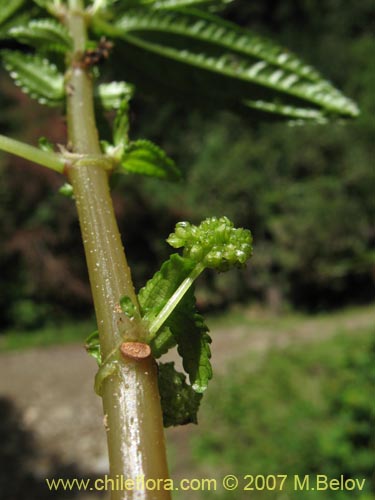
x: 45, y: 158
x: 174, y: 300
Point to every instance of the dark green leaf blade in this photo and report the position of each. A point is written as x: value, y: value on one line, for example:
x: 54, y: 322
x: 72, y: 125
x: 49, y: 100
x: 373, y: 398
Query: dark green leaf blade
x: 273, y: 80
x: 208, y: 28
x: 184, y: 327
x: 36, y: 76
x: 156, y: 294
x: 163, y: 341
x: 193, y: 341
x: 179, y: 402
x: 92, y: 346
x: 44, y: 34
x: 181, y: 4
x: 160, y: 288
x: 145, y: 158
x: 8, y: 8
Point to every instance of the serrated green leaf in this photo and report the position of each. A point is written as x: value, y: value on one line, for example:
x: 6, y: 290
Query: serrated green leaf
x: 272, y: 77
x: 112, y: 95
x: 212, y: 29
x: 36, y: 76
x: 157, y: 293
x: 179, y: 402
x: 115, y: 6
x: 291, y: 112
x: 45, y: 34
x: 181, y: 4
x: 160, y: 288
x: 215, y: 243
x: 167, y: 301
x: 92, y: 346
x: 193, y: 341
x: 184, y: 326
x: 146, y: 158
x: 8, y: 8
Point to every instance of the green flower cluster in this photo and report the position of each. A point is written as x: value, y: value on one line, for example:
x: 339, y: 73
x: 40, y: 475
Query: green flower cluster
x: 215, y: 243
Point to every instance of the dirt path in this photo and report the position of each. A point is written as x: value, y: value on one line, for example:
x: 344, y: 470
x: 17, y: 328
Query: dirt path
x: 46, y: 396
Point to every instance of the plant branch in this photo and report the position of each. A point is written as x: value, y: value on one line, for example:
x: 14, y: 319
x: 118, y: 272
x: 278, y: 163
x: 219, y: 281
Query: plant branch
x: 131, y: 399
x: 46, y: 159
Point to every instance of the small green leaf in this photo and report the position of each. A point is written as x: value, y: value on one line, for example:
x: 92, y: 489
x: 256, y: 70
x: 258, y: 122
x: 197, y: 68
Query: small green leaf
x: 215, y: 243
x: 8, y: 8
x: 181, y: 4
x: 121, y: 126
x: 45, y: 34
x: 36, y: 76
x: 92, y: 346
x: 128, y: 308
x: 111, y: 95
x: 179, y: 402
x: 45, y: 145
x: 145, y: 158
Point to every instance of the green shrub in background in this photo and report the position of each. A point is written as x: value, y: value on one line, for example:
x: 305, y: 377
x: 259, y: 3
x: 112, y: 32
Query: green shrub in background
x: 297, y: 411
x: 308, y: 195
x: 307, y: 192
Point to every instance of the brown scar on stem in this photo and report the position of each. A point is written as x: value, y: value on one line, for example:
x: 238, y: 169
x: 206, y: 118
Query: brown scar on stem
x: 117, y: 308
x: 135, y: 350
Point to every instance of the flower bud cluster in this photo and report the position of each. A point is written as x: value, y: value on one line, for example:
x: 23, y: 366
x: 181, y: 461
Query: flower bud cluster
x: 215, y: 243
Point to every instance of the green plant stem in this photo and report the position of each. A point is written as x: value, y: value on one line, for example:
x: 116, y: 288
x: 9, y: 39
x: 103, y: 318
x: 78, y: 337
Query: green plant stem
x: 174, y: 300
x: 36, y: 155
x: 131, y: 399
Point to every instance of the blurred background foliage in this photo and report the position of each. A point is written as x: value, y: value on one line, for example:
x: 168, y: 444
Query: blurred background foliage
x: 319, y: 420
x: 306, y: 192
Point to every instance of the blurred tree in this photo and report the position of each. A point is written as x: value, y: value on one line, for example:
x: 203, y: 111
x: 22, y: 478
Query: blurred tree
x: 308, y: 190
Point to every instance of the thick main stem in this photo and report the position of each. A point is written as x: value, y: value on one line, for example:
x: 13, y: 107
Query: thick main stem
x: 130, y: 396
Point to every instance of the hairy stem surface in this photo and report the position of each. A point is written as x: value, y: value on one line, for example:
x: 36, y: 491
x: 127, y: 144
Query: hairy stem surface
x: 130, y: 395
